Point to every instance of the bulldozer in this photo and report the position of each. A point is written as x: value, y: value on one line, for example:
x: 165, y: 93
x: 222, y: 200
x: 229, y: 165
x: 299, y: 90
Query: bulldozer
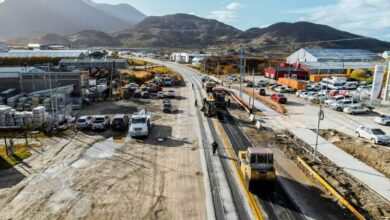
x: 257, y: 166
x: 209, y: 106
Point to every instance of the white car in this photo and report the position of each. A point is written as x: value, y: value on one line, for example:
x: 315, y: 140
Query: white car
x: 140, y: 124
x: 171, y: 94
x: 84, y: 122
x: 335, y: 99
x: 340, y: 105
x: 375, y: 135
x: 317, y: 98
x: 307, y: 95
x: 383, y: 120
x: 356, y: 109
x: 299, y: 92
x: 160, y: 94
x: 281, y: 89
x: 100, y: 122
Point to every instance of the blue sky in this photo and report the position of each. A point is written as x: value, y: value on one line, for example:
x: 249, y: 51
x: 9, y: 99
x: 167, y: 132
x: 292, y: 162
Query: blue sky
x: 365, y: 17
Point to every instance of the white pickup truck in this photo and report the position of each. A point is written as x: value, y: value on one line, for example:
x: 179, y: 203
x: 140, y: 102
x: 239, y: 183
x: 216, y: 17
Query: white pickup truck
x: 140, y: 124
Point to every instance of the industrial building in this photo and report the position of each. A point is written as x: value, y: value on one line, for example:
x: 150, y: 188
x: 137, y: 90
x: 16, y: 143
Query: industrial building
x: 89, y: 63
x: 329, y: 61
x: 46, y: 53
x: 285, y: 71
x: 386, y: 55
x: 185, y: 57
x: 31, y: 79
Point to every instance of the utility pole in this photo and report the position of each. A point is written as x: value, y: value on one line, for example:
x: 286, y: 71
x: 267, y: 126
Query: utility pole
x: 241, y: 69
x: 320, y: 118
x: 253, y: 88
x: 51, y: 93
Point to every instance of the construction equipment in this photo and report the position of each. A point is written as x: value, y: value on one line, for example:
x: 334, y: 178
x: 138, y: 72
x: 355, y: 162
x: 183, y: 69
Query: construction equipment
x: 257, y: 167
x: 209, y: 106
x: 219, y: 96
x: 209, y: 85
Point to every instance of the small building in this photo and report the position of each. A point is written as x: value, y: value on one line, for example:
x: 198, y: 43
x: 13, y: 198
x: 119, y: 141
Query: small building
x: 89, y: 63
x: 46, y: 53
x: 286, y: 71
x: 4, y: 48
x: 386, y: 55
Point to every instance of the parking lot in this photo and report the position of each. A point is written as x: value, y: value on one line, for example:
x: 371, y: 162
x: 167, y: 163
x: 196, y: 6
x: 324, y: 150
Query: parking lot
x: 107, y: 174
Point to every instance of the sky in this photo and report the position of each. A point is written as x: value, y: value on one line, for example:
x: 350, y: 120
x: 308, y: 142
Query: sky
x: 365, y: 17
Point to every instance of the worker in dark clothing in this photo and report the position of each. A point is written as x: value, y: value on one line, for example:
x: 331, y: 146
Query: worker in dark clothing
x: 196, y: 103
x: 215, y: 147
x: 228, y: 102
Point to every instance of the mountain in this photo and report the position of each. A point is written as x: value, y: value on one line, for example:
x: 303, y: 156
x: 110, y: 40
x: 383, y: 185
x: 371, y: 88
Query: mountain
x: 25, y: 18
x: 176, y: 31
x: 304, y: 32
x: 83, y: 39
x: 124, y: 12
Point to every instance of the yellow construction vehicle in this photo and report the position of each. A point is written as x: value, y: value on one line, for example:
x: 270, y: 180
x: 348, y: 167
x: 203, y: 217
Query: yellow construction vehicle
x: 257, y: 166
x: 209, y: 106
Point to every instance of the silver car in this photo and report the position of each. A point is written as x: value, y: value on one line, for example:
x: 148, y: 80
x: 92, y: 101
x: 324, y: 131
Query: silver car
x: 375, y: 135
x: 84, y: 122
x: 383, y: 120
x: 100, y: 122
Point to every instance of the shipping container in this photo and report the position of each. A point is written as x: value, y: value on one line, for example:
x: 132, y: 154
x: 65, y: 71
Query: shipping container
x: 293, y: 83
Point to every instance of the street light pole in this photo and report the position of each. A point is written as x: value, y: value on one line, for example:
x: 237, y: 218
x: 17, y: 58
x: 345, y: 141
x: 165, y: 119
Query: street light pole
x: 241, y: 69
x: 320, y: 118
x: 253, y: 87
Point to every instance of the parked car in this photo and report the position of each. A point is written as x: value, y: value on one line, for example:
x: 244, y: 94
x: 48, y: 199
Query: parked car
x: 137, y: 93
x: 375, y: 135
x: 171, y: 94
x: 356, y: 109
x: 340, y: 105
x: 262, y: 82
x: 281, y: 89
x: 145, y: 94
x: 249, y: 84
x: 100, y: 122
x: 279, y: 98
x: 167, y: 107
x: 299, y: 92
x: 262, y: 92
x: 307, y: 95
x: 335, y: 99
x: 160, y: 94
x: 318, y: 97
x: 383, y: 120
x: 120, y: 123
x: 302, y: 94
x: 273, y: 87
x: 84, y: 122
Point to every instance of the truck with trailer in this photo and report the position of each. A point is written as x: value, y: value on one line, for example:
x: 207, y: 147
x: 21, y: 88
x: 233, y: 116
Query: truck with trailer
x: 256, y: 165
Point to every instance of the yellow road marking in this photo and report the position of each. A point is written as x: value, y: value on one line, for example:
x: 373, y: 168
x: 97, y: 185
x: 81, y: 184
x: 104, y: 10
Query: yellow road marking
x: 252, y: 202
x: 331, y: 189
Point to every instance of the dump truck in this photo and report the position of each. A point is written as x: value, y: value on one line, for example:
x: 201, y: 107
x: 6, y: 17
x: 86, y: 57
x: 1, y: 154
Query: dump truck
x: 256, y: 165
x: 209, y: 86
x: 140, y: 124
x: 219, y: 96
x: 209, y: 106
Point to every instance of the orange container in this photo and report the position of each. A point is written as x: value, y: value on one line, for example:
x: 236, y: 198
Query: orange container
x: 319, y: 77
x: 293, y: 83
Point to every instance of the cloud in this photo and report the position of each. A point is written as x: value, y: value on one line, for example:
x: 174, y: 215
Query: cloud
x: 365, y: 17
x: 223, y: 15
x: 235, y: 6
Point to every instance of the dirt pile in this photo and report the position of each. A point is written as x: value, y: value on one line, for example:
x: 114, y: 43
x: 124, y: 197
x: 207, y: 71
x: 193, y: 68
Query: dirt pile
x: 375, y: 156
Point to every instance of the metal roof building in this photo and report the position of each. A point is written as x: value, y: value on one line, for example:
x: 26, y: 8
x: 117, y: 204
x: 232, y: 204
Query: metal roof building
x: 3, y: 48
x: 46, y: 53
x: 333, y: 55
x: 88, y: 63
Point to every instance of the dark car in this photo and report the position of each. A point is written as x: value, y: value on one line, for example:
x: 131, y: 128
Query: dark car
x: 262, y: 92
x: 120, y: 123
x: 167, y: 107
x: 137, y: 93
x: 249, y: 84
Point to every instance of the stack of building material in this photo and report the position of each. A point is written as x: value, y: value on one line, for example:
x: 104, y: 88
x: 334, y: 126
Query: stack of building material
x: 39, y: 115
x: 4, y: 111
x: 18, y: 116
x: 35, y: 101
x: 20, y: 104
x: 10, y: 118
x: 12, y: 101
x: 27, y: 118
x: 27, y: 105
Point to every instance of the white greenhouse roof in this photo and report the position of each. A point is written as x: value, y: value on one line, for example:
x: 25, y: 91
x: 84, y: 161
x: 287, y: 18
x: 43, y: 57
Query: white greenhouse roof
x: 45, y: 53
x: 321, y: 53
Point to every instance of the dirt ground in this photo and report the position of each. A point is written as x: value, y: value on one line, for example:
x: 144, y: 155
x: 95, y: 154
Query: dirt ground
x: 371, y: 154
x: 107, y: 175
x: 372, y: 206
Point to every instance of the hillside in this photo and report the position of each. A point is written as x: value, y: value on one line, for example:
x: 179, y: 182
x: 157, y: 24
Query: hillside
x: 178, y: 30
x: 60, y: 17
x: 287, y: 33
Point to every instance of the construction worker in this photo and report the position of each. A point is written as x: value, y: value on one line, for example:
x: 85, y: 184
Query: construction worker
x: 196, y: 103
x: 215, y: 147
x: 228, y: 102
